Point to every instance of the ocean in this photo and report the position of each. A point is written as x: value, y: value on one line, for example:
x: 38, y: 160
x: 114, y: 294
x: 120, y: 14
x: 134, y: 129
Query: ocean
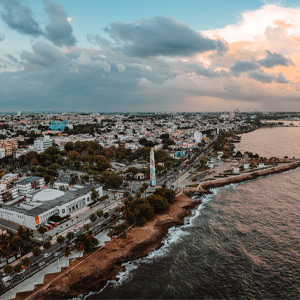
x: 242, y: 242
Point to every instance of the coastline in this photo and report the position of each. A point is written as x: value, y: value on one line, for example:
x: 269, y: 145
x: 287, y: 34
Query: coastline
x: 104, y: 265
x: 95, y: 268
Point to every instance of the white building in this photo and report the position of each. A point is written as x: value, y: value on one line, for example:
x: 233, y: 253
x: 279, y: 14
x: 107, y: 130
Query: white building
x: 32, y: 183
x: 19, y: 113
x: 41, y: 205
x: 7, y: 194
x: 231, y: 115
x: 41, y: 145
x: 198, y: 136
x: 2, y: 153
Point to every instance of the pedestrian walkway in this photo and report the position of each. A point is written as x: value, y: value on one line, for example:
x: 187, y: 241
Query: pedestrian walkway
x: 38, y: 278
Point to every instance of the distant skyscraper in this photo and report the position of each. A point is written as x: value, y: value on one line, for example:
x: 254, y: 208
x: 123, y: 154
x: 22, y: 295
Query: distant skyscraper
x: 152, y: 169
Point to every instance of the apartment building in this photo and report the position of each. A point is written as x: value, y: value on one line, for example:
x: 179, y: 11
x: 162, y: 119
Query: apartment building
x: 10, y: 146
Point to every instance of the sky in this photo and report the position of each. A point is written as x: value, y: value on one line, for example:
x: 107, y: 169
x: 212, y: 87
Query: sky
x: 136, y: 55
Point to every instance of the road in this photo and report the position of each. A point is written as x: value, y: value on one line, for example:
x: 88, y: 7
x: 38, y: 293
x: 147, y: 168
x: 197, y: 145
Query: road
x: 100, y: 225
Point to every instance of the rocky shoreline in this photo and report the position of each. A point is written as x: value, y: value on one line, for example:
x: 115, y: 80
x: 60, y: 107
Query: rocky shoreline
x: 93, y: 270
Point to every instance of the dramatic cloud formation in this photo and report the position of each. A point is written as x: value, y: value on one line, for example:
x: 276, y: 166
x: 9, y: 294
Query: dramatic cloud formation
x: 162, y: 36
x: 58, y: 31
x: 19, y: 17
x: 154, y: 63
x: 275, y: 59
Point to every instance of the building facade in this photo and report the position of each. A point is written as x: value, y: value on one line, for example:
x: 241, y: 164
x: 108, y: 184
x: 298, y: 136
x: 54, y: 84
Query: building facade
x: 41, y: 145
x: 10, y: 146
x: 29, y: 184
x: 152, y: 169
x: 58, y: 125
x: 198, y: 137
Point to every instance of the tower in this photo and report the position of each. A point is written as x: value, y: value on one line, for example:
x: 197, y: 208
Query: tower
x: 152, y: 169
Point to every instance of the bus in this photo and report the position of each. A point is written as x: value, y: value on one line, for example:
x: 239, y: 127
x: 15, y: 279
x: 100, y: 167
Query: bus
x: 54, y: 224
x: 49, y: 226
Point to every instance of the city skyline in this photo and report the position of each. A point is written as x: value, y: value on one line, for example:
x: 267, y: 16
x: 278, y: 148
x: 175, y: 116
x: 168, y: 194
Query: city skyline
x: 58, y: 55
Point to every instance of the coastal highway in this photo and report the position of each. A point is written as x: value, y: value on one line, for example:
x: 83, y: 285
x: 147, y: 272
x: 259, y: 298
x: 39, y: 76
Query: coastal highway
x: 98, y: 226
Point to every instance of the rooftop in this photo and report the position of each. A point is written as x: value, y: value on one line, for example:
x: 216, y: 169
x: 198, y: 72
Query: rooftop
x: 30, y: 179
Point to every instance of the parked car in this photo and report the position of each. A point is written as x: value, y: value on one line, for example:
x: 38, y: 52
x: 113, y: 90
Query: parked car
x: 46, y: 255
x: 21, y: 272
x: 17, y: 278
x: 76, y: 231
x: 41, y: 264
x: 57, y: 254
x: 34, y: 263
x: 59, y: 248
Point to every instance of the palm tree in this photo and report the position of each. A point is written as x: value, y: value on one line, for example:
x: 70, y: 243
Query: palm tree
x: 17, y: 243
x: 93, y: 218
x: 47, y: 244
x: 8, y: 269
x: 136, y: 212
x: 60, y: 239
x: 70, y: 235
x: 17, y: 268
x: 86, y: 227
x: 67, y: 253
x: 42, y: 229
x: 99, y: 213
x: 79, y: 247
x: 36, y: 251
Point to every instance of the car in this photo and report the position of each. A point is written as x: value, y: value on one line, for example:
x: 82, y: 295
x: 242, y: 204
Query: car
x: 46, y: 255
x: 41, y: 264
x: 34, y: 263
x: 17, y: 278
x: 57, y: 254
x: 76, y: 231
x: 21, y: 272
x: 59, y: 248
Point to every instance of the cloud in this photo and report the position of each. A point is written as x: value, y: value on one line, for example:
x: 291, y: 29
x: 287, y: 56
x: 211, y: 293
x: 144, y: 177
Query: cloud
x: 20, y: 18
x: 44, y: 55
x: 58, y: 31
x: 2, y: 37
x: 268, y: 78
x: 86, y: 64
x: 161, y: 36
x: 121, y: 68
x: 275, y: 59
x: 244, y: 66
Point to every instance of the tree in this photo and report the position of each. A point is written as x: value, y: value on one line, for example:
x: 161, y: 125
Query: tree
x: 86, y: 227
x: 94, y: 194
x: 47, y: 244
x: 166, y: 193
x: 99, y: 213
x: 67, y: 253
x: 70, y: 235
x: 17, y: 268
x: 8, y: 269
x: 106, y: 215
x: 142, y: 189
x: 26, y: 261
x: 93, y: 218
x: 158, y: 202
x: 132, y: 170
x: 36, y: 251
x: 17, y: 243
x: 114, y: 181
x: 60, y: 239
x: 42, y: 229
x: 80, y: 247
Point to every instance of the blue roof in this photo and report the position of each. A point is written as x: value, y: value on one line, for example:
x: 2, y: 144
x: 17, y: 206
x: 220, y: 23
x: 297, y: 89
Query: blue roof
x: 30, y: 179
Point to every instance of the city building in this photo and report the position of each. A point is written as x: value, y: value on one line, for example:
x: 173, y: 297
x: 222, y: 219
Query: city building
x: 7, y: 193
x: 10, y: 146
x: 198, y: 136
x: 41, y: 205
x: 40, y: 145
x: 58, y: 125
x: 32, y: 183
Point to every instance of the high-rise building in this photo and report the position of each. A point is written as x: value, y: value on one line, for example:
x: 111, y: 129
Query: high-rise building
x: 198, y: 136
x: 152, y: 169
x: 42, y: 144
x: 19, y: 113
